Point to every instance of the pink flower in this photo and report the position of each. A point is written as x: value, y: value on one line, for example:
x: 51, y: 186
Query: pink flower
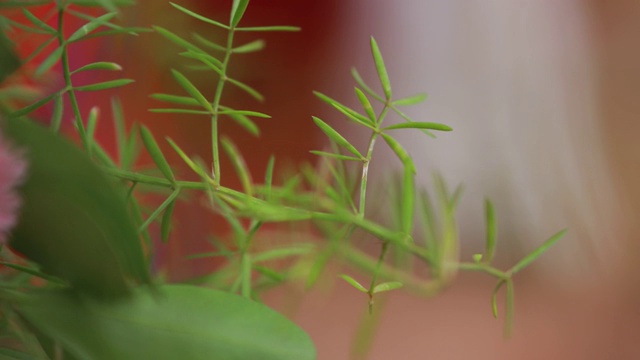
x: 12, y: 171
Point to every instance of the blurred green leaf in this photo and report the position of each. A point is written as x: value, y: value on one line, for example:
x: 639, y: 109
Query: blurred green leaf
x: 49, y: 61
x: 156, y: 154
x: 419, y: 125
x: 380, y: 67
x: 73, y: 222
x: 176, y: 39
x: 279, y: 253
x: 196, y: 168
x: 366, y: 105
x: 253, y: 46
x: 104, y: 85
x: 162, y: 208
x: 192, y: 90
x: 350, y: 113
x: 407, y: 206
x: 411, y: 100
x: 400, y: 152
x: 102, y: 65
x: 335, y: 136
x: 537, y: 252
x: 248, y: 89
x: 242, y: 119
x: 174, y: 322
x: 28, y: 109
x: 387, y: 286
x: 58, y: 112
x: 239, y: 164
x: 335, y: 156
x: 182, y: 100
x: 268, y: 28
x: 37, y: 22
x: 198, y: 16
x: 90, y: 26
x: 353, y: 282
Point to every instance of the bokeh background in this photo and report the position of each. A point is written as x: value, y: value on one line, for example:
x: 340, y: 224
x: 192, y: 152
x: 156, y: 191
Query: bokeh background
x: 543, y: 98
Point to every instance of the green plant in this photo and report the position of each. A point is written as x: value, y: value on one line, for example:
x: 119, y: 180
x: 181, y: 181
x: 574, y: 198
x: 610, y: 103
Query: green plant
x: 97, y: 273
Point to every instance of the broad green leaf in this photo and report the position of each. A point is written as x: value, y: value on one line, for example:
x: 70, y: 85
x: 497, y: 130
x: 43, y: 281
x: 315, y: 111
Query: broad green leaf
x: 380, y: 67
x: 174, y: 322
x: 419, y: 125
x: 84, y: 233
x: 411, y: 100
x: 335, y: 156
x: 156, y: 154
x: 537, y: 252
x: 192, y: 90
x: 354, y: 283
x: 268, y: 28
x: 90, y: 26
x: 104, y: 85
x: 237, y: 11
x: 335, y: 136
x: 102, y: 65
x: 253, y: 46
x: 182, y: 100
x: 49, y: 61
x: 490, y: 217
x: 387, y: 286
x: 366, y: 105
x: 350, y: 113
x: 400, y: 152
x: 37, y: 22
x: 198, y: 16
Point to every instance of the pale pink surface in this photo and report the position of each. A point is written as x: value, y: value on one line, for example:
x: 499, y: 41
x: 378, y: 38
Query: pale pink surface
x: 12, y: 171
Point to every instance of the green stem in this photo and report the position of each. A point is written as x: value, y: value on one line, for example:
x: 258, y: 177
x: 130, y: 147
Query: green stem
x: 374, y: 279
x: 66, y: 70
x: 216, y: 105
x: 367, y: 161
